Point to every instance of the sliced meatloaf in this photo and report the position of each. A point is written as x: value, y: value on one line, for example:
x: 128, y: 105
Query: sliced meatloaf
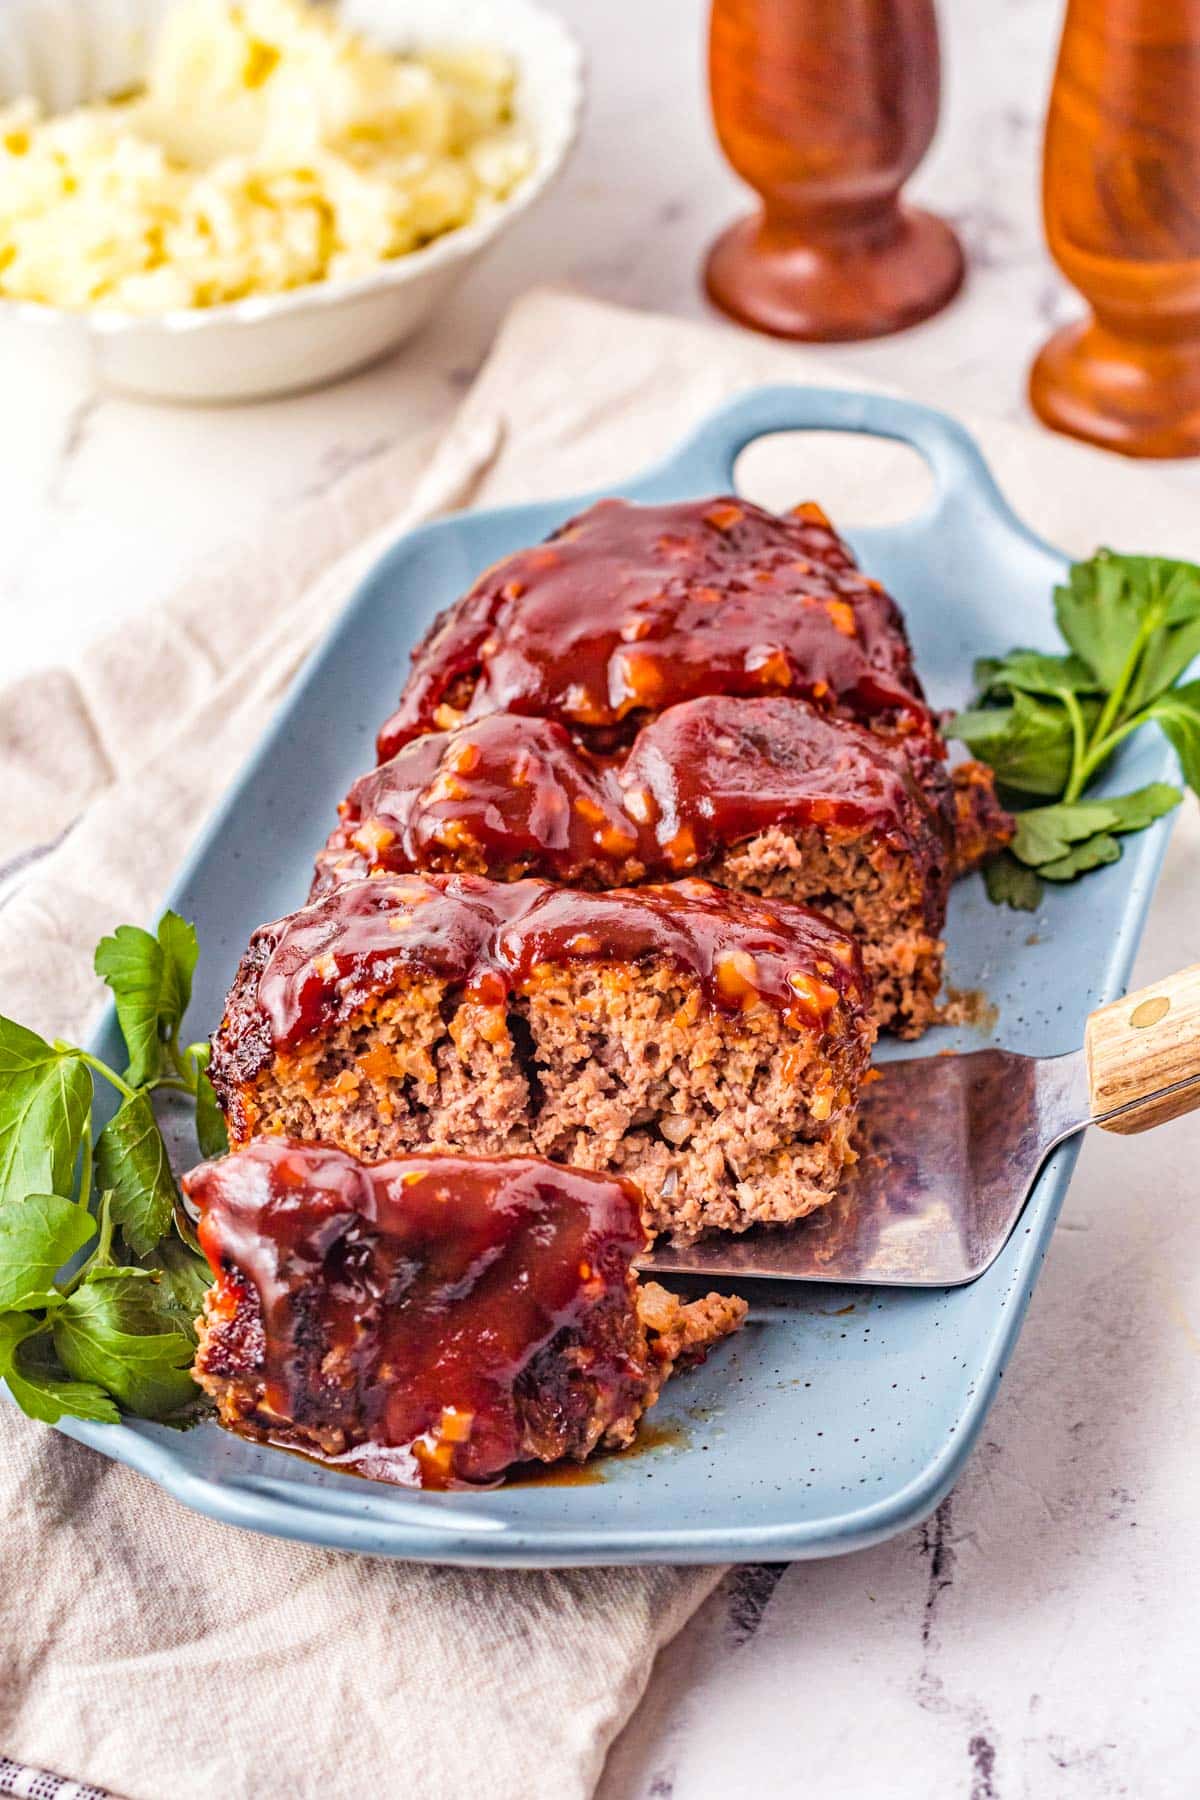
x: 708, y: 1044
x: 630, y: 609
x: 766, y: 795
x: 432, y: 1320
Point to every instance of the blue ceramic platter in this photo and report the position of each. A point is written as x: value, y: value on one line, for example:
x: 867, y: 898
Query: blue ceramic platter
x: 838, y: 1416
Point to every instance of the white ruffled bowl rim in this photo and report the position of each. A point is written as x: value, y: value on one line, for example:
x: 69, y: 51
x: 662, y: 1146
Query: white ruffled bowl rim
x: 559, y: 46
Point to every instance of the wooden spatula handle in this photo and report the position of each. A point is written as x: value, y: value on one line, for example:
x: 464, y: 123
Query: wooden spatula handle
x: 1143, y: 1055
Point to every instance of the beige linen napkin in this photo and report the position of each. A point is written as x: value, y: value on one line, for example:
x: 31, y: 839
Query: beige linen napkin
x: 144, y: 1648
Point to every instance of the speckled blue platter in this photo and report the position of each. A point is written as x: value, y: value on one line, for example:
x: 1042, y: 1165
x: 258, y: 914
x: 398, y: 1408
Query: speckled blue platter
x: 839, y: 1416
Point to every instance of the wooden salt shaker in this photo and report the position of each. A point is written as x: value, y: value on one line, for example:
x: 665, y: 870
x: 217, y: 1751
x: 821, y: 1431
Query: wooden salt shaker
x: 1121, y: 193
x: 826, y: 107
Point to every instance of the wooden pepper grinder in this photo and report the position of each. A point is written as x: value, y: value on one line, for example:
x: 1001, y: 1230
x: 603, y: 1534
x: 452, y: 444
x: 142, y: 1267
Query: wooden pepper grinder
x: 826, y: 107
x: 1121, y: 193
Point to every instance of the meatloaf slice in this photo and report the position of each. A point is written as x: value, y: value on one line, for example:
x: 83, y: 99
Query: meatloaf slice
x: 630, y: 609
x: 432, y: 1320
x: 708, y: 1044
x: 766, y: 795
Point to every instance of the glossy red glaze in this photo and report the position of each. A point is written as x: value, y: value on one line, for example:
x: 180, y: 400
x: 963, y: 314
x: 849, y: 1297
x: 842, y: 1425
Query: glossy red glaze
x: 509, y: 796
x: 403, y: 1302
x: 631, y: 609
x: 321, y: 964
x: 506, y: 796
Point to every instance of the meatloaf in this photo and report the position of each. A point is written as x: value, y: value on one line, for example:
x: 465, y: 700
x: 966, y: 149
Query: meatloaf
x: 630, y: 609
x: 708, y: 1044
x: 766, y: 795
x: 432, y: 1320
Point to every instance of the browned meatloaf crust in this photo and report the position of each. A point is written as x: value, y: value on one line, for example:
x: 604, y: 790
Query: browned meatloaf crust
x: 708, y: 1044
x: 433, y: 1320
x: 630, y: 609
x: 982, y: 827
x: 767, y: 795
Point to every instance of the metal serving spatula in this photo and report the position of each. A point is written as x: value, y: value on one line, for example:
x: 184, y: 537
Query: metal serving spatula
x: 949, y: 1147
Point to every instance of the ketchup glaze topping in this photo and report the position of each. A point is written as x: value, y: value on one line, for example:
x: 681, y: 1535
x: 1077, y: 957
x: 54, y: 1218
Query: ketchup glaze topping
x: 630, y: 609
x: 509, y: 795
x: 321, y: 964
x: 402, y: 1302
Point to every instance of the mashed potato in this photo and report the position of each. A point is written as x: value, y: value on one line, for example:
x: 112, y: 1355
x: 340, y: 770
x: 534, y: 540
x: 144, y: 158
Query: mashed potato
x: 269, y: 148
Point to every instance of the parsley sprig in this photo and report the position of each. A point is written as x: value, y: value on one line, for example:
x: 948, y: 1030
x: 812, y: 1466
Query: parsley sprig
x: 117, y: 1331
x: 1049, y: 724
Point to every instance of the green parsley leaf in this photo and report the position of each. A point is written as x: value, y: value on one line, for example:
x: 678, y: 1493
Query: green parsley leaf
x: 1010, y: 883
x: 34, y: 1302
x: 45, y: 1095
x: 37, y: 1236
x: 1033, y: 672
x: 38, y: 1389
x: 1099, y: 613
x: 1089, y: 855
x: 186, y: 1279
x: 180, y: 953
x: 151, y: 980
x: 1133, y: 627
x: 211, y: 1134
x: 131, y: 962
x: 131, y: 1160
x: 1045, y: 833
x: 116, y: 1333
x: 1135, y: 620
x: 1181, y: 582
x: 120, y: 1334
x: 1141, y: 808
x: 1168, y: 655
x: 1028, y: 744
x: 1179, y: 715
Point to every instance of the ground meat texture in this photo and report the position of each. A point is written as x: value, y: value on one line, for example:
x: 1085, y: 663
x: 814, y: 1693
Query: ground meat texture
x: 631, y: 609
x: 434, y: 1320
x: 767, y: 795
x: 710, y: 1045
x: 982, y: 827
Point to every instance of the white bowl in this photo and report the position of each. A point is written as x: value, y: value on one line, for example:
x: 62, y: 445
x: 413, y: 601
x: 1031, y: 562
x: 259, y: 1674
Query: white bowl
x: 64, y: 52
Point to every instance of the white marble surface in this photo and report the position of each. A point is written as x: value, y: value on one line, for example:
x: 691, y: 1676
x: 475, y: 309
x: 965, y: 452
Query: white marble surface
x: 1038, y: 1638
